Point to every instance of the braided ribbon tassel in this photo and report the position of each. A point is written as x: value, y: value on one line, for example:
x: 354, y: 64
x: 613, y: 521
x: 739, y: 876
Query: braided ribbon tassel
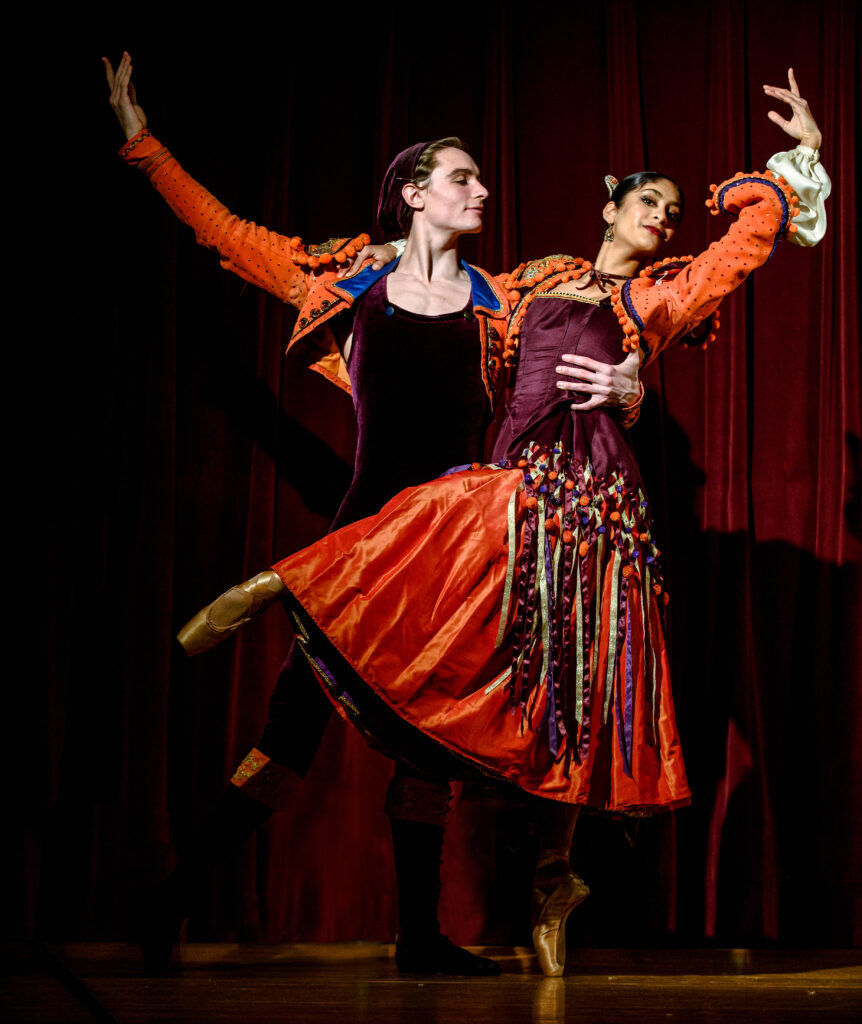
x: 575, y: 528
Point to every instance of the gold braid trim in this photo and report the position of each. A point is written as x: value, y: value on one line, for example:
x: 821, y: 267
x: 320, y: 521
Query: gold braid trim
x: 135, y: 142
x: 153, y: 163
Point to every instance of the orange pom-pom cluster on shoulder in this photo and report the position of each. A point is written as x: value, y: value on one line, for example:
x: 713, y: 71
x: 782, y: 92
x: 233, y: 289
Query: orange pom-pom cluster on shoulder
x: 335, y: 250
x: 529, y: 280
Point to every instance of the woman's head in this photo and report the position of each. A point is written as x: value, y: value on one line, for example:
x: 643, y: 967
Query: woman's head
x: 644, y: 211
x: 439, y: 178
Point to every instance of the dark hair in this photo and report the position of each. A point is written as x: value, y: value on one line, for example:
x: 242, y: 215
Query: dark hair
x: 635, y: 181
x: 422, y: 175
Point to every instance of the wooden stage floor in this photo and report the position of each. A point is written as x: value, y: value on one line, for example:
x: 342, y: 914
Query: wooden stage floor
x: 346, y: 982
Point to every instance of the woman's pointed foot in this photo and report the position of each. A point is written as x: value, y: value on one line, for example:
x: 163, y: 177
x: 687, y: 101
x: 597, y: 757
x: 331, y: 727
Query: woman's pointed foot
x: 230, y: 612
x: 551, y: 911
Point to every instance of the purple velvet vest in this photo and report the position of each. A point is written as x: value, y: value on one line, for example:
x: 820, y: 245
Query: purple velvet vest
x: 421, y: 406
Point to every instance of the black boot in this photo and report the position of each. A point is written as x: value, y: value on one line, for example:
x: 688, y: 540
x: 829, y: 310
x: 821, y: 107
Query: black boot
x: 421, y: 948
x: 235, y: 817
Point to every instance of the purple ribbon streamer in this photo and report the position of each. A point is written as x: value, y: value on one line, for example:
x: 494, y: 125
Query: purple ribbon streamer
x: 550, y: 704
x: 584, y: 598
x: 629, y: 690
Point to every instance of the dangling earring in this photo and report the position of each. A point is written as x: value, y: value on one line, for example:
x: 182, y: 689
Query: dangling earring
x: 610, y: 184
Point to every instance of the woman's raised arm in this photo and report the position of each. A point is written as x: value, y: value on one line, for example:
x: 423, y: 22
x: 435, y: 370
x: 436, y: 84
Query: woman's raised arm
x: 801, y: 166
x: 670, y: 299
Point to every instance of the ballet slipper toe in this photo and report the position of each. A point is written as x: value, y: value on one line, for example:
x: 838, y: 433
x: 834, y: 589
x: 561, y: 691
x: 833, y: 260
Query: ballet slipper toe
x: 229, y: 613
x: 550, y: 913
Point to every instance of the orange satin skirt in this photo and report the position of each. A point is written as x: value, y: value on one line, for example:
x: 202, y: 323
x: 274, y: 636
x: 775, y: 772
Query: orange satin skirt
x: 412, y: 599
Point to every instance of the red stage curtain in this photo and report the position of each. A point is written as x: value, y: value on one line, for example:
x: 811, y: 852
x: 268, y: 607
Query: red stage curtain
x: 178, y: 452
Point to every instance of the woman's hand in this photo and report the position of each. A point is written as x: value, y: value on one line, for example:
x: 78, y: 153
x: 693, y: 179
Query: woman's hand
x: 381, y: 254
x: 123, y: 100
x: 801, y: 125
x: 613, y: 384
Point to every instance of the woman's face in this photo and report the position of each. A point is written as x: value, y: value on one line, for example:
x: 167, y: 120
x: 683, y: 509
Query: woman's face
x: 646, y: 218
x: 452, y: 200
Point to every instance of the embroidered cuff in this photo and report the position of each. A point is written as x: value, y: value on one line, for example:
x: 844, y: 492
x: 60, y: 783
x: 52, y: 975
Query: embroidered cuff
x: 265, y: 781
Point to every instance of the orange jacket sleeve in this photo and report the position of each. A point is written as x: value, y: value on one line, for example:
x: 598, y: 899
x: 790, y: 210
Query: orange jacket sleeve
x: 278, y: 263
x: 673, y: 297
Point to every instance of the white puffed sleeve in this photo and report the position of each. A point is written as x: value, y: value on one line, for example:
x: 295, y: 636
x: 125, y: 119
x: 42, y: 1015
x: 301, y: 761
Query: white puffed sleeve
x: 805, y: 175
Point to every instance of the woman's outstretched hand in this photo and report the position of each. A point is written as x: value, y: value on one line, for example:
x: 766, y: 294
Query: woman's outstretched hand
x: 123, y: 100
x: 801, y: 125
x: 605, y: 383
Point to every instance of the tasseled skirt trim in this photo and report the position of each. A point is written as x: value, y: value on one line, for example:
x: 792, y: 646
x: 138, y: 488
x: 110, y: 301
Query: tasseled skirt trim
x: 514, y: 614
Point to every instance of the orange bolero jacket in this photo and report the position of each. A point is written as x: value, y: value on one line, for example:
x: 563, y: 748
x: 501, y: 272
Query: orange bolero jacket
x: 674, y: 299
x: 306, y: 276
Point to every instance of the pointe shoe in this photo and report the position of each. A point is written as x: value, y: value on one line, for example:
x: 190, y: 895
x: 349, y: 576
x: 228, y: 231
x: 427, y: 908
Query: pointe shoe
x: 550, y: 912
x: 230, y: 612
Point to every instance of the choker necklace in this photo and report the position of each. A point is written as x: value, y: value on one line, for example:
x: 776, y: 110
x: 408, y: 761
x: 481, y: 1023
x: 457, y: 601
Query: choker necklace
x: 603, y: 280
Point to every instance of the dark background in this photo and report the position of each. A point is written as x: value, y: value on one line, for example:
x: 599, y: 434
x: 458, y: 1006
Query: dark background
x: 175, y: 452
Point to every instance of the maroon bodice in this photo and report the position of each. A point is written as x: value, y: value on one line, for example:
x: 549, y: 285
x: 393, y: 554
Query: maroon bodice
x: 540, y: 411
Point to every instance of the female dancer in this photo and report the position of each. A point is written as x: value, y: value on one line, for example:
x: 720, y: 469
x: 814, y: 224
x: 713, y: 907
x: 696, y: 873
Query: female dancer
x: 534, y: 584
x: 435, y: 319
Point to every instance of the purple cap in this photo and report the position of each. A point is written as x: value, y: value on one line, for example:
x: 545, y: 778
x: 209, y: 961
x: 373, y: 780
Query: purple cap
x: 400, y: 171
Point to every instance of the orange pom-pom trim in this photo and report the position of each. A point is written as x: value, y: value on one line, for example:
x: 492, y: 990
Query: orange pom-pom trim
x: 790, y: 196
x: 546, y: 276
